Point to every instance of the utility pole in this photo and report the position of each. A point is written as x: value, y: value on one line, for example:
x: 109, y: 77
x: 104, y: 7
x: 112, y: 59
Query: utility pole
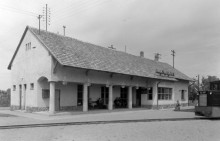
x: 198, y: 82
x: 125, y: 49
x: 173, y: 54
x: 46, y: 17
x: 64, y: 30
x: 39, y: 17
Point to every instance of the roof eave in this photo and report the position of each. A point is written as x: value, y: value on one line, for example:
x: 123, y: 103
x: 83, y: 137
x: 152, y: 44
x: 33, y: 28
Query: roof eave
x: 174, y: 79
x: 15, y: 53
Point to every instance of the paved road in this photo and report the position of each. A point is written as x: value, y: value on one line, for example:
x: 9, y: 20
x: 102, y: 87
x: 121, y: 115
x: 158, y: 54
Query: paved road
x: 20, y: 118
x: 159, y: 125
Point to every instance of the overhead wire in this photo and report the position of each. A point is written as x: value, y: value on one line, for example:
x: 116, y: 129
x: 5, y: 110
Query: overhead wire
x: 13, y: 9
x: 80, y: 6
x: 73, y: 10
x: 81, y: 10
x: 71, y: 6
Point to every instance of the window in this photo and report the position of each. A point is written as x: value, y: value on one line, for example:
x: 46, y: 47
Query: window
x: 14, y: 87
x: 150, y: 93
x: 182, y: 95
x: 164, y: 93
x: 28, y: 46
x: 79, y: 95
x: 104, y: 94
x: 25, y: 87
x: 214, y: 86
x: 31, y: 86
x: 45, y: 93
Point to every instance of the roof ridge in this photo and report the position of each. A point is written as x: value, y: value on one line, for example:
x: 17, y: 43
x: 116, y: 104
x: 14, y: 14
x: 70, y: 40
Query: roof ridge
x: 86, y: 42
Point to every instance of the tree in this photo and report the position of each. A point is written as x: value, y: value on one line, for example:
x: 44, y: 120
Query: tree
x: 193, y: 90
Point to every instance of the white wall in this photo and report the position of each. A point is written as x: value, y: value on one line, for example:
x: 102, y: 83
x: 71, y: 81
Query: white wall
x: 181, y: 85
x: 28, y: 67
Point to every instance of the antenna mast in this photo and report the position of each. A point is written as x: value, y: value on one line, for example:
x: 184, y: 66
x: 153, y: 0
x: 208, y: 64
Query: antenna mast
x: 64, y: 27
x: 39, y: 17
x: 173, y: 54
x: 46, y: 16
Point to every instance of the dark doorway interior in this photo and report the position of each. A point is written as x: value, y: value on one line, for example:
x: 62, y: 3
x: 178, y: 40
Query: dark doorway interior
x: 138, y: 97
x: 20, y: 96
x: 57, y: 100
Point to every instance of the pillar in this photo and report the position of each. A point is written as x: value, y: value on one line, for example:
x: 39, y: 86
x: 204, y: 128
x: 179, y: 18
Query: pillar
x: 85, y: 97
x: 110, y: 101
x: 130, y: 97
x: 52, y: 98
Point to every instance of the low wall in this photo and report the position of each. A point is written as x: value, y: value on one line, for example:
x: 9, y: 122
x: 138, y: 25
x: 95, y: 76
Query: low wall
x: 165, y: 106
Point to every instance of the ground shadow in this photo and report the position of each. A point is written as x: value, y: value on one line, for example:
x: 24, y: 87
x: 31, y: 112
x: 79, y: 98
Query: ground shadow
x: 186, y: 110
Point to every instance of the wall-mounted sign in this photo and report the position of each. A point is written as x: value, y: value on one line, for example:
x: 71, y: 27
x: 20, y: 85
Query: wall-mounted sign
x: 165, y: 73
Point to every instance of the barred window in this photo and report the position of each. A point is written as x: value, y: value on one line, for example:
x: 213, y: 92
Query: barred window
x: 164, y: 93
x: 182, y: 95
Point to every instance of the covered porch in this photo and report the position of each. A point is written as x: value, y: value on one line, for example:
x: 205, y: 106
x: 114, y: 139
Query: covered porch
x: 73, y: 96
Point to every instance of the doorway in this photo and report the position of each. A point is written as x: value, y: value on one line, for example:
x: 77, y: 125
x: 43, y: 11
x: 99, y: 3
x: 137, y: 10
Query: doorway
x: 20, y: 96
x: 138, y: 97
x: 57, y: 100
x: 104, y: 94
x: 24, y: 97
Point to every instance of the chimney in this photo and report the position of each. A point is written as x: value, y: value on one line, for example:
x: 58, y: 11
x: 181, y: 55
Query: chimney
x: 64, y: 30
x: 142, y: 54
x: 157, y: 57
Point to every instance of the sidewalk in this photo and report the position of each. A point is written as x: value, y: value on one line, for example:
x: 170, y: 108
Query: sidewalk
x: 21, y: 118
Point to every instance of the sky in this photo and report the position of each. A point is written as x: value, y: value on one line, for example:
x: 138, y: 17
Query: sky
x: 190, y: 27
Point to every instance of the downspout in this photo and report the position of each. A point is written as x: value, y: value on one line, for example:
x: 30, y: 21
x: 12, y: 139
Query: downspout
x: 157, y: 94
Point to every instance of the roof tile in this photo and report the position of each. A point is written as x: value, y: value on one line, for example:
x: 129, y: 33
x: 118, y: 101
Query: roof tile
x: 72, y: 52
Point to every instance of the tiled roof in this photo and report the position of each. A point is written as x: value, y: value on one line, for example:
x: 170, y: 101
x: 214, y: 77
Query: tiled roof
x: 75, y: 53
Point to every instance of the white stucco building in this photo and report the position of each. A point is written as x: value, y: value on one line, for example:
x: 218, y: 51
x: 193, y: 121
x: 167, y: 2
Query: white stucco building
x: 55, y: 73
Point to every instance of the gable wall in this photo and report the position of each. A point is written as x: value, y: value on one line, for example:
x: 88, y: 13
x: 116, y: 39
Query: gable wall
x: 27, y: 67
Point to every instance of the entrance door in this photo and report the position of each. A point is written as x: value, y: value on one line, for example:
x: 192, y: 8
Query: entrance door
x: 24, y: 96
x: 20, y: 96
x: 57, y: 100
x: 138, y: 97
